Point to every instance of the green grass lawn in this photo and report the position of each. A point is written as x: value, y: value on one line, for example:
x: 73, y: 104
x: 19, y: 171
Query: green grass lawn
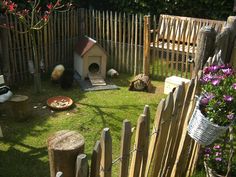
x: 23, y: 150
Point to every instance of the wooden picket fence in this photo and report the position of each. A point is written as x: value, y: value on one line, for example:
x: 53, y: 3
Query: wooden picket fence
x: 166, y: 151
x: 169, y: 42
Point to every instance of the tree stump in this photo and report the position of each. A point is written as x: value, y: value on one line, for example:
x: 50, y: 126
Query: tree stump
x: 63, y: 148
x: 141, y: 82
x: 19, y: 107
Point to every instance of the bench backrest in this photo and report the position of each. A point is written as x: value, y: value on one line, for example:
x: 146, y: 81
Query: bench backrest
x: 184, y: 29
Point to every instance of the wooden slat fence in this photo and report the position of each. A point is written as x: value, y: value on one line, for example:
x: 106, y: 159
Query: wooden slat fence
x: 55, y: 45
x: 121, y: 35
x: 174, y: 42
x: 166, y: 151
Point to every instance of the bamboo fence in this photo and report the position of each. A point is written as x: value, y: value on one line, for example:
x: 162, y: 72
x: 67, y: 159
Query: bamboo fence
x: 167, y: 44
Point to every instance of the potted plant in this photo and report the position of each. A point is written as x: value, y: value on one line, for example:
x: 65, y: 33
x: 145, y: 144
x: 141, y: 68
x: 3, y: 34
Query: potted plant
x: 215, y: 109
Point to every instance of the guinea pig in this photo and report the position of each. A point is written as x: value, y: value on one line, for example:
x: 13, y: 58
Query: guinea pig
x: 57, y: 73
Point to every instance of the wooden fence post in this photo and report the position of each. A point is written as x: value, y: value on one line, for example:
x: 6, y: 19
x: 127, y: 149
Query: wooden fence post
x: 106, y: 157
x: 95, y: 160
x: 146, y: 47
x: 125, y: 148
x: 63, y: 148
x: 81, y: 22
x: 222, y: 42
x: 205, y: 47
x: 231, y: 22
x: 4, y: 50
x: 137, y: 157
x: 82, y: 169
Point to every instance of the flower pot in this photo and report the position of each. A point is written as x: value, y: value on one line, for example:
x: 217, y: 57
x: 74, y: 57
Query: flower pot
x: 210, y: 172
x: 202, y: 130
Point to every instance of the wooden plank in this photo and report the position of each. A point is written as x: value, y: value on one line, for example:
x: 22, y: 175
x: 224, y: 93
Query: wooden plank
x: 96, y: 79
x: 120, y: 42
x: 23, y: 51
x: 171, y: 137
x: 154, y: 135
x: 108, y: 37
x: 146, y: 41
x: 168, y: 34
x: 163, y: 33
x: 140, y: 48
x: 103, y: 29
x: 82, y: 169
x: 111, y: 44
x: 123, y: 68
x: 127, y: 63
x: 183, y: 128
x: 106, y: 157
x: 184, y: 30
x: 95, y: 160
x: 146, y: 134
x: 136, y: 45
x: 115, y: 41
x: 138, y: 147
x: 46, y: 47
x: 99, y: 27
x: 131, y: 67
x: 125, y: 148
x: 173, y: 46
x: 161, y: 142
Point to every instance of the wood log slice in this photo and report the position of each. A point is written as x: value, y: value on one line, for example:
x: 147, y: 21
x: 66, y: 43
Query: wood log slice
x: 63, y: 148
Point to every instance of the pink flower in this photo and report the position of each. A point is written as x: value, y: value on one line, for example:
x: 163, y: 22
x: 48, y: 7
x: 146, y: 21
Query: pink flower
x: 217, y: 147
x: 215, y: 82
x: 234, y: 86
x: 12, y: 7
x: 218, y: 159
x: 228, y: 98
x: 50, y: 6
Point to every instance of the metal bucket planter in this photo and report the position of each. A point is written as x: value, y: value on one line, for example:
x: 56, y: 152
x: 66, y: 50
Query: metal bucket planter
x: 210, y: 172
x: 202, y: 130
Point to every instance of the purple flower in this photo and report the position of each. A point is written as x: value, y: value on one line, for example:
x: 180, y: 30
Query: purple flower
x: 207, y: 78
x: 218, y: 159
x: 217, y: 147
x: 228, y: 98
x: 230, y: 116
x: 215, y: 82
x: 208, y: 150
x: 234, y: 86
x: 213, y: 68
x: 228, y: 71
x: 218, y: 154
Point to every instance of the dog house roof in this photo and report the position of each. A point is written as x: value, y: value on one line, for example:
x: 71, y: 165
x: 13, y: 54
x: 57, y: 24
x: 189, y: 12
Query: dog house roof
x: 84, y: 44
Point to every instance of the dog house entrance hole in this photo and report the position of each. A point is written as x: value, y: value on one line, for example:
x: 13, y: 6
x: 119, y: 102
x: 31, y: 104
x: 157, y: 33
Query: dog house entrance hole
x: 94, y: 68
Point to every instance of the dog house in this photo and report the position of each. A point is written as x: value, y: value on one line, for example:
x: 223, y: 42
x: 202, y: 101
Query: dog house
x: 90, y: 59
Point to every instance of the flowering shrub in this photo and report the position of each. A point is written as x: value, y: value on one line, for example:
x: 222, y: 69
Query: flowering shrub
x: 215, y: 159
x: 219, y: 94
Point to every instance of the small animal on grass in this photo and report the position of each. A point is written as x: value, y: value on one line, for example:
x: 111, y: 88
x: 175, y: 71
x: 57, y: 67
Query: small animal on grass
x: 63, y: 76
x: 112, y: 73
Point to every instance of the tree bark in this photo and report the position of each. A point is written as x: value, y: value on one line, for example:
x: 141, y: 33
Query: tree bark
x: 63, y: 148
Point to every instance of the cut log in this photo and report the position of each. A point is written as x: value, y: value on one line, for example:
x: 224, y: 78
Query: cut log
x: 141, y: 82
x: 20, y: 109
x: 63, y: 148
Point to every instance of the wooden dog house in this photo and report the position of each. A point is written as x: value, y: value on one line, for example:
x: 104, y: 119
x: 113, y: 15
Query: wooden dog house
x: 90, y: 61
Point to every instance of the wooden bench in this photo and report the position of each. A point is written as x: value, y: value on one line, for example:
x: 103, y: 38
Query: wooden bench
x: 176, y: 33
